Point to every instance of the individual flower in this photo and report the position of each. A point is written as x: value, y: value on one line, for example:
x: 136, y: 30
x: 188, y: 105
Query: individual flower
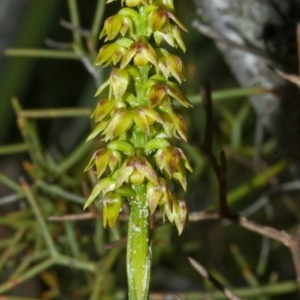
x: 115, y: 25
x: 103, y: 109
x: 171, y: 160
x: 123, y: 119
x: 135, y: 169
x: 159, y: 20
x: 104, y: 158
x: 170, y: 65
x: 112, y: 204
x: 102, y: 187
x: 118, y: 83
x: 142, y: 52
x: 158, y: 193
x: 174, y: 124
x: 180, y: 213
x: 172, y: 35
x: 172, y: 206
x: 160, y: 91
x: 110, y: 54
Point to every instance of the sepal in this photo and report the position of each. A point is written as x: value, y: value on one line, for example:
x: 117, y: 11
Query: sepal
x: 98, y: 129
x: 180, y: 213
x: 119, y: 81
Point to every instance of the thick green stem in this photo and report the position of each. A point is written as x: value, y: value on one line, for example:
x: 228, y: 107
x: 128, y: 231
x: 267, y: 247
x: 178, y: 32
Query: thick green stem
x: 138, y: 252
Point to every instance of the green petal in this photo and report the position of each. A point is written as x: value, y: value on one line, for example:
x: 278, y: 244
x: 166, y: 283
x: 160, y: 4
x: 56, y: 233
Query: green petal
x: 113, y: 25
x: 141, y: 121
x: 179, y: 213
x: 177, y: 21
x: 145, y: 168
x: 157, y: 19
x: 121, y: 122
x: 119, y: 80
x: 115, y: 160
x: 179, y: 175
x: 177, y: 36
x: 104, y: 185
x: 154, y: 194
x: 100, y: 127
x: 104, y: 107
x: 91, y: 162
x: 155, y: 94
x: 102, y: 87
x: 101, y: 161
x: 125, y: 171
x: 129, y: 54
x: 174, y: 91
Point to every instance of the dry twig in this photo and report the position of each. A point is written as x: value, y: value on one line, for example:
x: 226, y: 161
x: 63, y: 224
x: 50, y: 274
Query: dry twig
x: 220, y: 169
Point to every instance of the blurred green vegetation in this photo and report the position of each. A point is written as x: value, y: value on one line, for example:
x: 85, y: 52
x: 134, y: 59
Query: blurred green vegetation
x: 51, y: 249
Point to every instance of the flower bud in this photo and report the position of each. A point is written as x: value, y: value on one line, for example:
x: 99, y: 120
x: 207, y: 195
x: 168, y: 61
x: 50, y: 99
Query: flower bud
x: 140, y: 60
x: 136, y: 177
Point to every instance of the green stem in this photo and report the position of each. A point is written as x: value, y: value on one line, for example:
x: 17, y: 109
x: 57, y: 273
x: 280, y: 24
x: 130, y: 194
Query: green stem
x: 42, y: 53
x: 98, y: 18
x: 138, y: 254
x: 74, y: 14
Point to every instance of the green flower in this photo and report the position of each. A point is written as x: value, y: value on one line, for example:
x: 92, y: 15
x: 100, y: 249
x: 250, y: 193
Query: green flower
x: 168, y: 158
x: 104, y: 158
x: 142, y: 52
x: 171, y: 35
x: 135, y: 169
x: 174, y: 124
x: 102, y: 187
x: 159, y: 20
x: 166, y: 91
x: 110, y: 54
x: 143, y: 117
x: 115, y: 25
x: 112, y: 204
x: 159, y: 194
x: 170, y: 65
x: 180, y: 213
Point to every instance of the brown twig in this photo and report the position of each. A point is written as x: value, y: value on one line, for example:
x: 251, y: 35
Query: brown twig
x: 220, y: 169
x: 204, y: 273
